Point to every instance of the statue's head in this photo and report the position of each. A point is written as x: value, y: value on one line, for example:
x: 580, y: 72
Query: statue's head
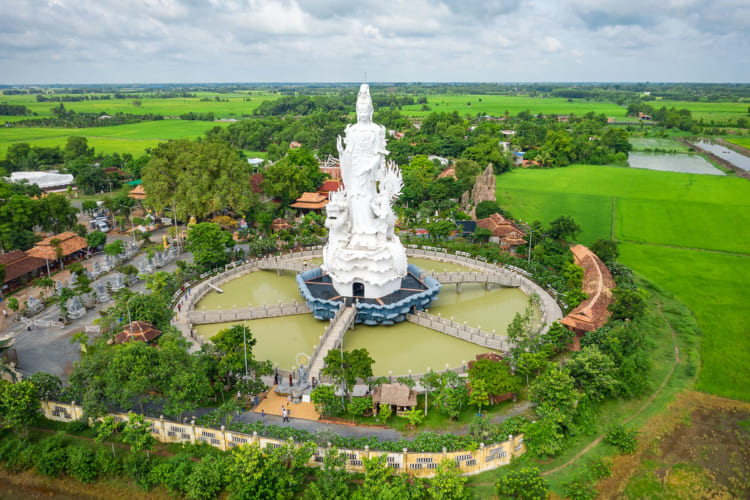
x: 364, y: 104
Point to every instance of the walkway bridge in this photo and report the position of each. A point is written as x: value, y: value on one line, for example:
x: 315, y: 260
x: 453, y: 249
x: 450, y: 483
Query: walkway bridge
x: 332, y: 338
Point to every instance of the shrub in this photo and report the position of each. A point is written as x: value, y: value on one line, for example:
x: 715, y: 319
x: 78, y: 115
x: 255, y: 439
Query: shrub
x: 107, y: 464
x: 623, y: 438
x: 136, y: 466
x: 20, y: 456
x: 81, y: 464
x: 53, y: 456
x: 523, y: 484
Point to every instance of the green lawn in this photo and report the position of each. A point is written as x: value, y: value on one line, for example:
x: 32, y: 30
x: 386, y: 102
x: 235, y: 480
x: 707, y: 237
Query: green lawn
x: 740, y: 141
x: 655, y: 212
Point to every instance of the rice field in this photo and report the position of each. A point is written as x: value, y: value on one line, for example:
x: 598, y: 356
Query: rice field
x: 687, y: 233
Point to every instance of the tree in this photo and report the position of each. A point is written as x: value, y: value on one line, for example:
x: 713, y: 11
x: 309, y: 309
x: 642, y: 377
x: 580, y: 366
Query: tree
x: 486, y: 208
x: 332, y: 480
x: 209, y: 243
x: 522, y: 331
x: 496, y: 376
x: 48, y: 386
x: 325, y: 400
x: 19, y: 406
x: 429, y: 381
x: 115, y: 248
x: 448, y: 484
x: 347, y: 368
x: 381, y: 483
x: 414, y: 416
x: 630, y: 303
x: 291, y: 176
x: 89, y: 206
x: 466, y: 172
x: 197, y: 177
x: 452, y: 394
x: 563, y: 229
x: 229, y: 347
x: 13, y: 304
x: 107, y: 428
x: 593, y: 372
x: 478, y: 395
x: 137, y: 434
x: 555, y: 395
x: 523, y: 484
x: 76, y: 147
x: 95, y: 239
x: 606, y: 250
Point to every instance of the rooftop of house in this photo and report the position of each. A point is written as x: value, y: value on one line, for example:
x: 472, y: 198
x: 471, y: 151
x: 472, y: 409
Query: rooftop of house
x: 394, y: 394
x: 69, y: 243
x: 17, y: 263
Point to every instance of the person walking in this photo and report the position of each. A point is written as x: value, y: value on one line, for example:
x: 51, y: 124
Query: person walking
x: 263, y: 415
x: 284, y: 416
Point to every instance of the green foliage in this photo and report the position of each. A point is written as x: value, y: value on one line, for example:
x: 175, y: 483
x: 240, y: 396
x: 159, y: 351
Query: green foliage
x: 209, y: 243
x: 53, y: 456
x: 478, y: 395
x: 81, y: 464
x: 559, y: 337
x: 380, y: 482
x: 496, y: 376
x: 357, y: 406
x: 96, y: 239
x: 384, y: 413
x: 555, y: 395
x: 448, y: 484
x: 332, y: 482
x: 414, y: 416
x: 347, y: 368
x: 487, y: 208
x: 206, y: 480
x: 197, y: 177
x: 630, y: 303
x: 522, y: 484
x: 623, y: 438
x: 325, y: 400
x: 564, y: 228
x: 106, y: 464
x: 48, y: 386
x: 19, y: 405
x: 13, y: 304
x: 115, y: 248
x: 594, y: 373
x: 606, y: 250
x: 137, y: 433
x: 270, y: 473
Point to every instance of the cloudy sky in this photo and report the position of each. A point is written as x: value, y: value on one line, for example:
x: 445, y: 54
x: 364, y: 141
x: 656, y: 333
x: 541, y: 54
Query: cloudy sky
x: 152, y: 41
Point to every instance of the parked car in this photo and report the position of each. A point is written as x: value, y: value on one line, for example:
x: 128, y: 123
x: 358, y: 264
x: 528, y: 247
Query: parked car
x: 102, y: 226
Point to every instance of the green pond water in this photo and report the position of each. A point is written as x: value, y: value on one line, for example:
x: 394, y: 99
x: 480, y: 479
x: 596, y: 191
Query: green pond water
x: 288, y: 341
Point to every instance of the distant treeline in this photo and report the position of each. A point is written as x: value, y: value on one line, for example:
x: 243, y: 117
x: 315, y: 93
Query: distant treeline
x: 72, y: 98
x: 13, y: 109
x: 62, y: 117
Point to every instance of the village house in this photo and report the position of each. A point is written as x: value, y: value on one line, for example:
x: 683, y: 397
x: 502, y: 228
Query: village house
x: 72, y: 247
x: 20, y: 268
x: 137, y: 331
x: 504, y: 232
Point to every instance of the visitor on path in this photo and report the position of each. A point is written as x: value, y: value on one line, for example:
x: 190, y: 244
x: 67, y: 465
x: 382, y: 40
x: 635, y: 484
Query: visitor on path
x: 290, y: 380
x: 263, y: 415
x: 179, y: 307
x: 5, y: 313
x: 284, y: 414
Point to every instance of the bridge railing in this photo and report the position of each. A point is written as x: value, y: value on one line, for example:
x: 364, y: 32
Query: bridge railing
x: 462, y: 331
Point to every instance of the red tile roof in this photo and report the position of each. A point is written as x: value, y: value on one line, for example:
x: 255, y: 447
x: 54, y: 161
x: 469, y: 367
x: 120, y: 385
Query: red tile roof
x: 311, y: 201
x: 507, y: 231
x: 17, y: 263
x: 137, y: 331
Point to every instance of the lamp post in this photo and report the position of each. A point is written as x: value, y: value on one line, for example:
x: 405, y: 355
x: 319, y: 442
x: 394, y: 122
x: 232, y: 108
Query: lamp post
x: 531, y: 235
x: 130, y: 322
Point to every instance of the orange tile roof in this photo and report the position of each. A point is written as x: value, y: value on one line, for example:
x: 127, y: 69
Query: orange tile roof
x: 137, y: 193
x: 311, y: 201
x: 70, y: 243
x: 592, y: 313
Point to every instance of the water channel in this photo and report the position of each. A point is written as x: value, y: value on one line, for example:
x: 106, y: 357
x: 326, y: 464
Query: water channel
x: 288, y: 341
x: 725, y: 153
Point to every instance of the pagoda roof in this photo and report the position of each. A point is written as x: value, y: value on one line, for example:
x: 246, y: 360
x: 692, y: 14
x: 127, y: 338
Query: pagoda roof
x: 137, y: 331
x: 311, y: 201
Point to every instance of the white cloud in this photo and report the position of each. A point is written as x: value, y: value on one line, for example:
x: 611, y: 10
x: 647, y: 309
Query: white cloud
x: 333, y: 40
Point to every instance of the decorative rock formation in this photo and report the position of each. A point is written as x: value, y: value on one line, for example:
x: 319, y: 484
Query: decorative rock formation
x: 484, y: 190
x: 34, y: 305
x: 75, y: 308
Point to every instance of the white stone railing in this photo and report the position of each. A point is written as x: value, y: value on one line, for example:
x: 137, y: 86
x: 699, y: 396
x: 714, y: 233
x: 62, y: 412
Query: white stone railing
x: 461, y: 331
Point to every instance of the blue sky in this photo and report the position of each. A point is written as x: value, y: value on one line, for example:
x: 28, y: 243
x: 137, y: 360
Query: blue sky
x: 152, y: 41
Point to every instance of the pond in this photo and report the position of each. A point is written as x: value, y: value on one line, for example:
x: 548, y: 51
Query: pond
x: 289, y: 341
x: 673, y: 162
x: 723, y: 152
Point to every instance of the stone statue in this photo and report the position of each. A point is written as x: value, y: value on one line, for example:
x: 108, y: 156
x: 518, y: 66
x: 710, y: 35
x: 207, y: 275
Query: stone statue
x: 363, y: 256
